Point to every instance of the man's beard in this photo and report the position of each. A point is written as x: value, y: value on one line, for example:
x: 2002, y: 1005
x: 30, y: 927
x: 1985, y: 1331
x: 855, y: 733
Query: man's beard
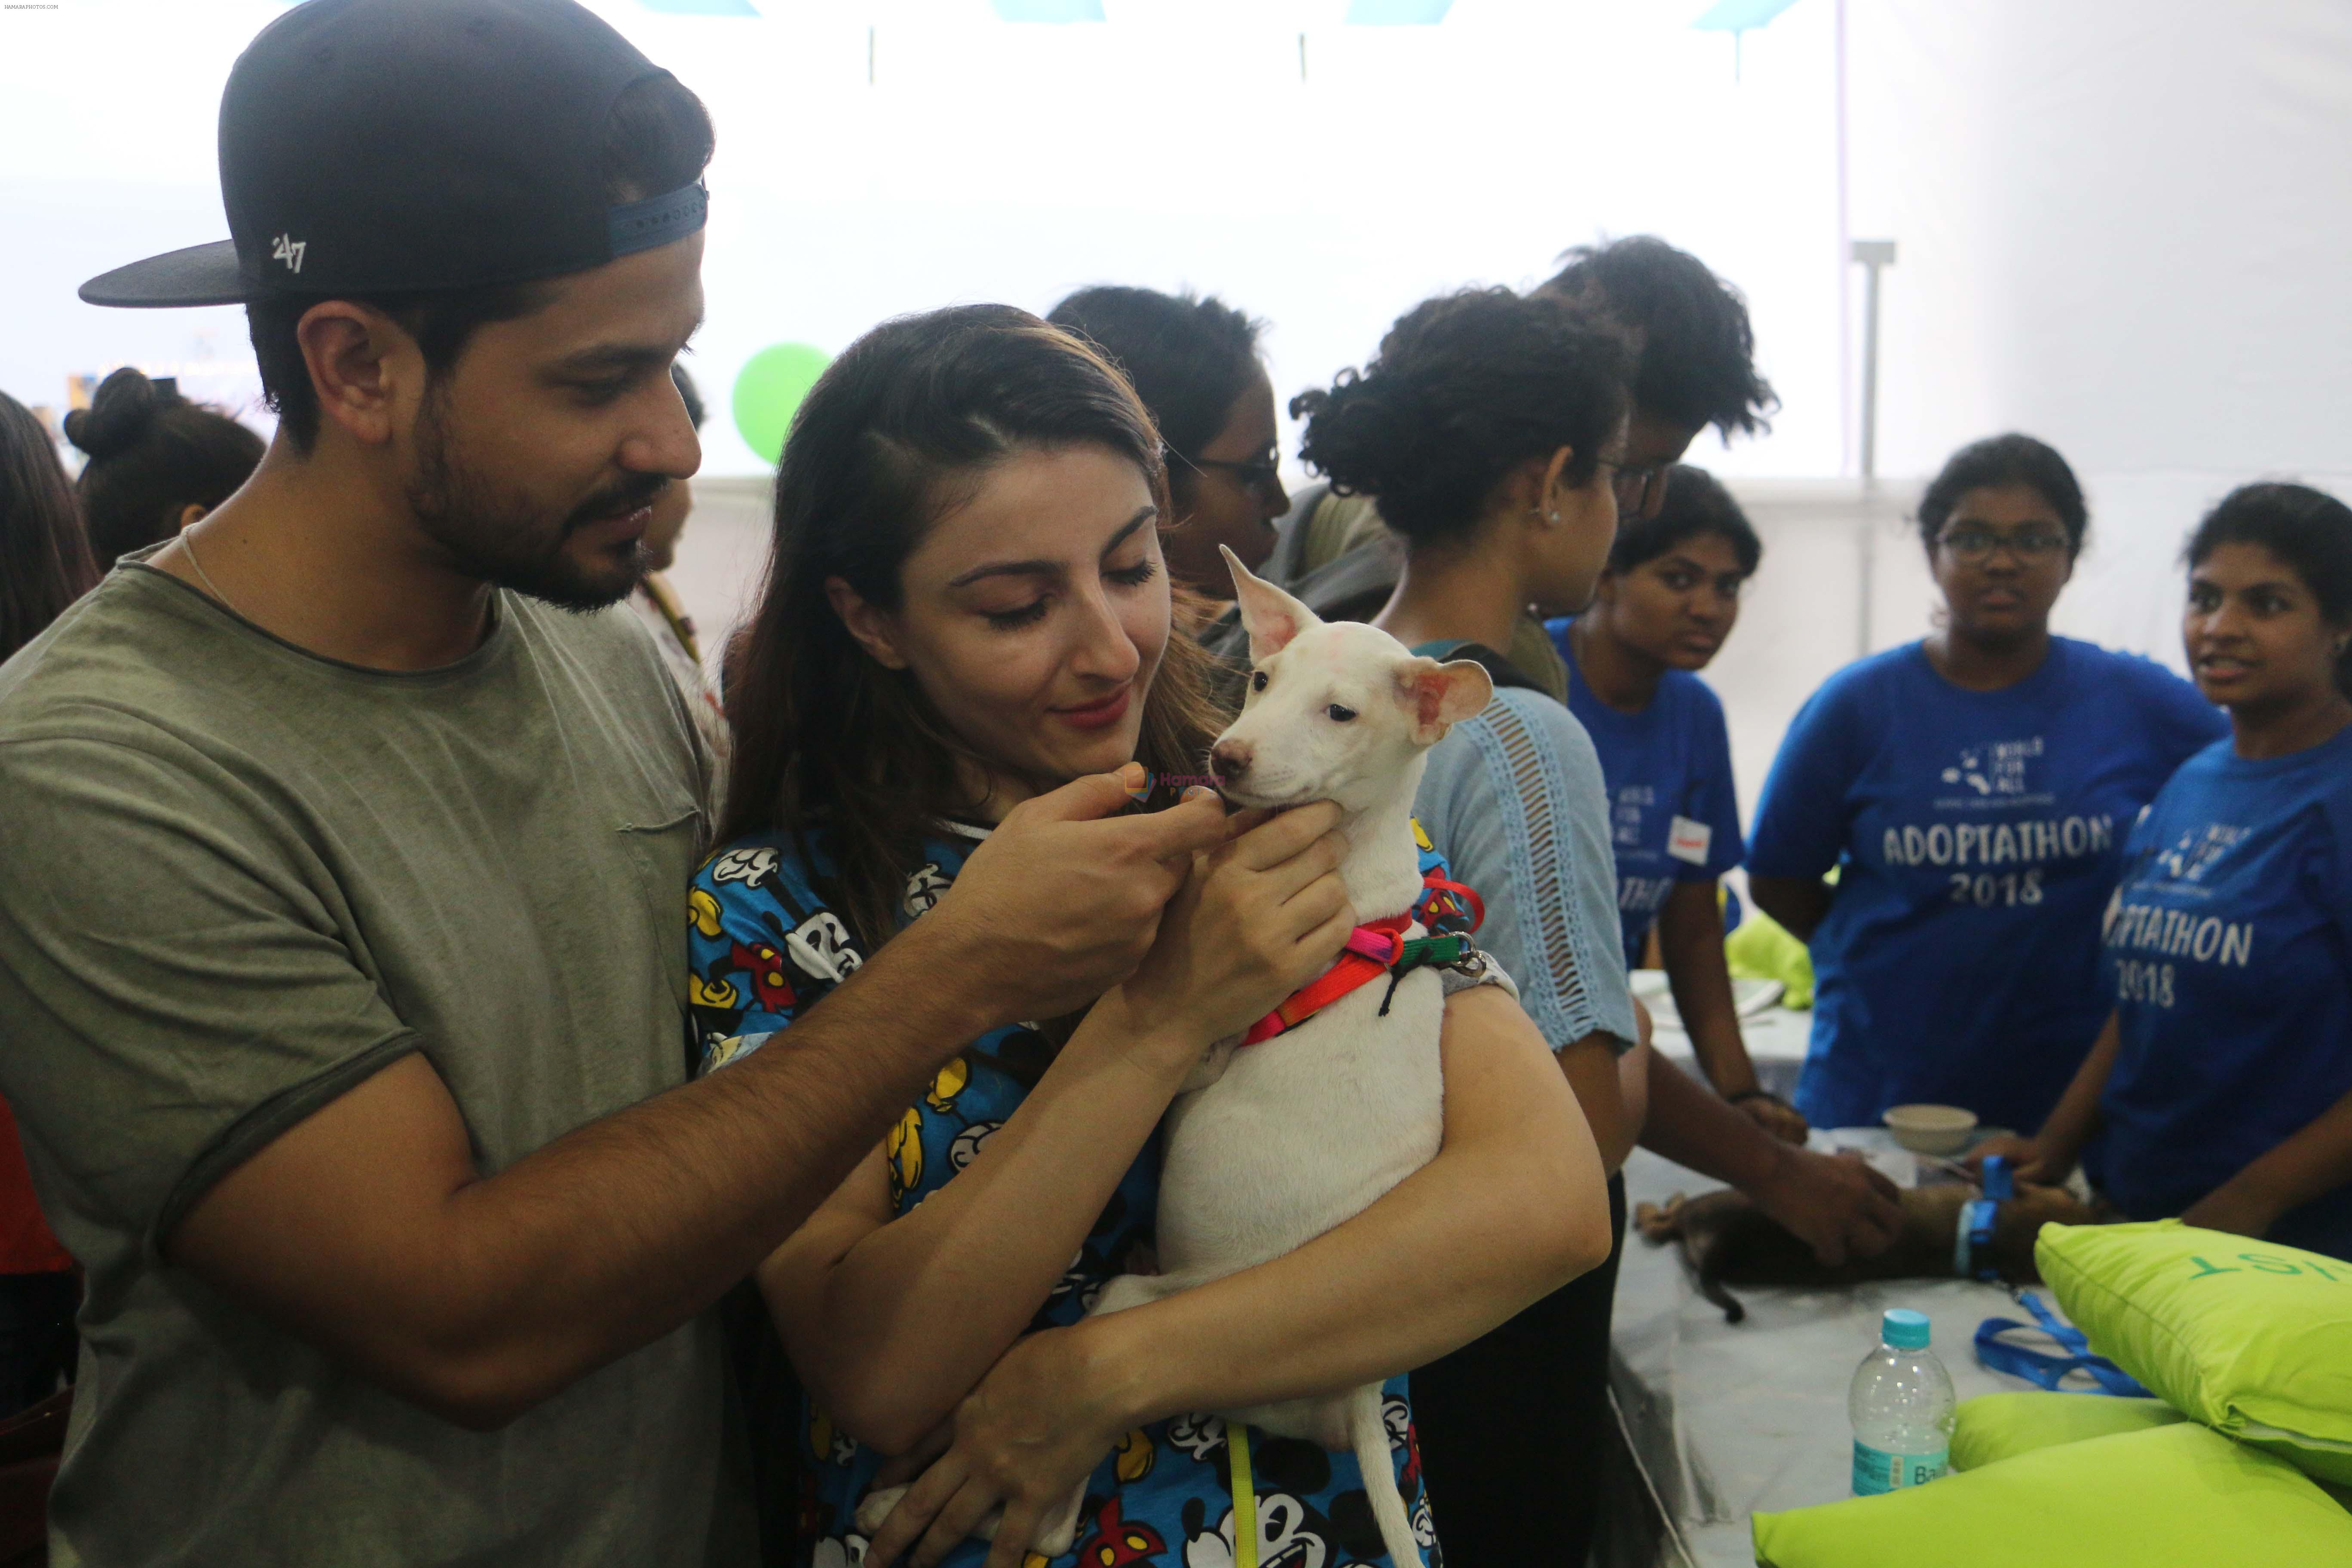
x: 504, y: 540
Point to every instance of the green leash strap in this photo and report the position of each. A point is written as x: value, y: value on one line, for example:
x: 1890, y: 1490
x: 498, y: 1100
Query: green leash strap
x: 1424, y: 952
x: 1245, y: 1496
x: 1433, y: 952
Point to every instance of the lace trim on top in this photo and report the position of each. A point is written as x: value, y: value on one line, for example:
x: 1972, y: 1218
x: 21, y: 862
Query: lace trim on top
x: 1525, y: 774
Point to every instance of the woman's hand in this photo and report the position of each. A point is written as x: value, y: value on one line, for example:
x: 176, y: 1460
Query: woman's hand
x: 1834, y: 1204
x: 1774, y: 1115
x: 2027, y: 1161
x: 1025, y: 1440
x: 1262, y: 915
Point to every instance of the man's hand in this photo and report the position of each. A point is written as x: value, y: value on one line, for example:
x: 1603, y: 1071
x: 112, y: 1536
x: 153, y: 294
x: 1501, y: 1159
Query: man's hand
x: 1064, y: 899
x: 1834, y: 1204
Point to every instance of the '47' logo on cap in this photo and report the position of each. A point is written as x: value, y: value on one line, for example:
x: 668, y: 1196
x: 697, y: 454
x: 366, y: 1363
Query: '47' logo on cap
x: 288, y: 251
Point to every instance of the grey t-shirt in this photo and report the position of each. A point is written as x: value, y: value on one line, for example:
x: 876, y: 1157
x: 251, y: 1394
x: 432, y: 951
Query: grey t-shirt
x: 236, y: 879
x: 1514, y: 799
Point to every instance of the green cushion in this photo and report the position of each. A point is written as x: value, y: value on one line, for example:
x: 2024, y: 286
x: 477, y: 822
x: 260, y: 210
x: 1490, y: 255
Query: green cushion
x: 2004, y: 1425
x: 2176, y: 1494
x: 1762, y: 948
x: 2252, y: 1337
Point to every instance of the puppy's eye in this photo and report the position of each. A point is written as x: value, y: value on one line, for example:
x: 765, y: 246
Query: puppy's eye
x: 1340, y: 715
x: 1257, y: 680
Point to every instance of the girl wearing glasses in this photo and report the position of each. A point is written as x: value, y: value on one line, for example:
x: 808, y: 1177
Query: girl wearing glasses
x: 1973, y: 791
x: 2221, y: 1089
x: 1193, y: 362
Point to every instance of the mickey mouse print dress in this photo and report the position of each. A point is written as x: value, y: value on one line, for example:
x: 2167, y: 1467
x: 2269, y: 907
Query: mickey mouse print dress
x: 764, y: 946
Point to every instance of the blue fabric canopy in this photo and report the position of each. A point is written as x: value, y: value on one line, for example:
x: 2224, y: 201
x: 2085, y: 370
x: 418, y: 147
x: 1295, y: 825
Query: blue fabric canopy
x: 1397, y: 13
x: 1739, y: 16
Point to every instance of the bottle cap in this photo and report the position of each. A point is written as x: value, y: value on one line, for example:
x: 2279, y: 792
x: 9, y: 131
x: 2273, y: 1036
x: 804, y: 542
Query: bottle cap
x: 1905, y: 1328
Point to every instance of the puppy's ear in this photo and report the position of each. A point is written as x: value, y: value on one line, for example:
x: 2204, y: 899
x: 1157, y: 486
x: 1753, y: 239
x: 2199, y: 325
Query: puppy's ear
x: 1269, y: 615
x: 1439, y: 696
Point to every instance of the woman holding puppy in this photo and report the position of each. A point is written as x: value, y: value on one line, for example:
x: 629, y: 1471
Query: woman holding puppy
x: 967, y: 611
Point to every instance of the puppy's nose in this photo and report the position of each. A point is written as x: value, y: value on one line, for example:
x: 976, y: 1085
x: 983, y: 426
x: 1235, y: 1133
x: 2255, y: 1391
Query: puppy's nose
x: 1229, y: 759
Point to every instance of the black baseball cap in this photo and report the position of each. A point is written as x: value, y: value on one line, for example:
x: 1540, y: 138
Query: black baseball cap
x: 390, y: 146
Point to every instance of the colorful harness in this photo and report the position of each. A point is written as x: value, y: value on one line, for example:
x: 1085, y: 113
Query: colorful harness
x: 1382, y: 948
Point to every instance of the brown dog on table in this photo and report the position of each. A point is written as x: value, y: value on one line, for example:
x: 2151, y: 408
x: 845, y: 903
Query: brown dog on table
x: 1727, y: 1240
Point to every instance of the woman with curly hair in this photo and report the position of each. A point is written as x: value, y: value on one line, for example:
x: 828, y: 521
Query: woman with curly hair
x: 1491, y: 430
x: 1489, y: 427
x: 968, y: 607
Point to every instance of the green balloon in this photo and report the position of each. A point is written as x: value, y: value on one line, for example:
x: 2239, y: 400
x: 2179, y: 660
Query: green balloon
x: 768, y: 391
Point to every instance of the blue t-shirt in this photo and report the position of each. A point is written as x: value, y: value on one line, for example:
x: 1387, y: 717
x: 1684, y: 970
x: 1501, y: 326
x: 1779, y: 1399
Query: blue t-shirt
x: 2228, y: 962
x: 1978, y: 835
x: 763, y: 945
x: 1673, y: 812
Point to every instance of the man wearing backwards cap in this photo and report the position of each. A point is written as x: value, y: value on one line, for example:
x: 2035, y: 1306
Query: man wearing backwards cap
x: 344, y: 866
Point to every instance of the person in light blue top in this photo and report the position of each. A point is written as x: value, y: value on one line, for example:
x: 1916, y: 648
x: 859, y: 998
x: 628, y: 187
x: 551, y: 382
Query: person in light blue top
x: 1972, y: 791
x: 2221, y: 1089
x: 1661, y: 610
x: 1492, y: 431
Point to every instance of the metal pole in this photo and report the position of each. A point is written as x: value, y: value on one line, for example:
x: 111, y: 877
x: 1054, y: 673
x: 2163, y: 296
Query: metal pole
x: 1870, y: 377
x: 1874, y: 255
x: 1865, y: 573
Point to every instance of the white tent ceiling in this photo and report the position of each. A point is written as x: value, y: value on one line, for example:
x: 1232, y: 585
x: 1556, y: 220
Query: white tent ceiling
x: 2120, y: 224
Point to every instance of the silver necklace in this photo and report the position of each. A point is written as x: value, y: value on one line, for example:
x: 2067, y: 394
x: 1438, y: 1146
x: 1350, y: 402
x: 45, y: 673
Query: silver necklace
x: 188, y: 543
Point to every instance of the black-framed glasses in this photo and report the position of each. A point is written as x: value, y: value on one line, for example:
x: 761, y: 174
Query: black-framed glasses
x: 1636, y: 486
x: 1261, y: 473
x: 1969, y: 542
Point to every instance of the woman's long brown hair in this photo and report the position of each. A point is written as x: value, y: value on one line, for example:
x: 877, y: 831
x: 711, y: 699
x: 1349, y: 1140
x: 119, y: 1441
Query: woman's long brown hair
x: 894, y: 432
x: 45, y: 561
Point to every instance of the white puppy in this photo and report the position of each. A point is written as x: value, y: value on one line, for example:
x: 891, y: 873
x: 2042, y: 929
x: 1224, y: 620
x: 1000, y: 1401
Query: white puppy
x: 1273, y: 1144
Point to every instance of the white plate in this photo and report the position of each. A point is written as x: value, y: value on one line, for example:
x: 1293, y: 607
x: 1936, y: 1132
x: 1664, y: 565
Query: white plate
x: 1749, y: 998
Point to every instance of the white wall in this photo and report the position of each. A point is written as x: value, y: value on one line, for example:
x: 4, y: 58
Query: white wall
x: 2121, y: 221
x: 2123, y: 228
x: 1176, y: 146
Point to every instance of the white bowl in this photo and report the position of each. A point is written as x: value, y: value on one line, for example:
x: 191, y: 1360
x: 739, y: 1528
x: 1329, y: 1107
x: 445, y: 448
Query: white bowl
x: 1931, y: 1129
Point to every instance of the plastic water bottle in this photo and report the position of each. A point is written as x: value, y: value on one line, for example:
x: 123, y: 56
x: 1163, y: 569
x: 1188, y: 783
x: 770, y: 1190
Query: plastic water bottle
x: 1901, y: 1406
